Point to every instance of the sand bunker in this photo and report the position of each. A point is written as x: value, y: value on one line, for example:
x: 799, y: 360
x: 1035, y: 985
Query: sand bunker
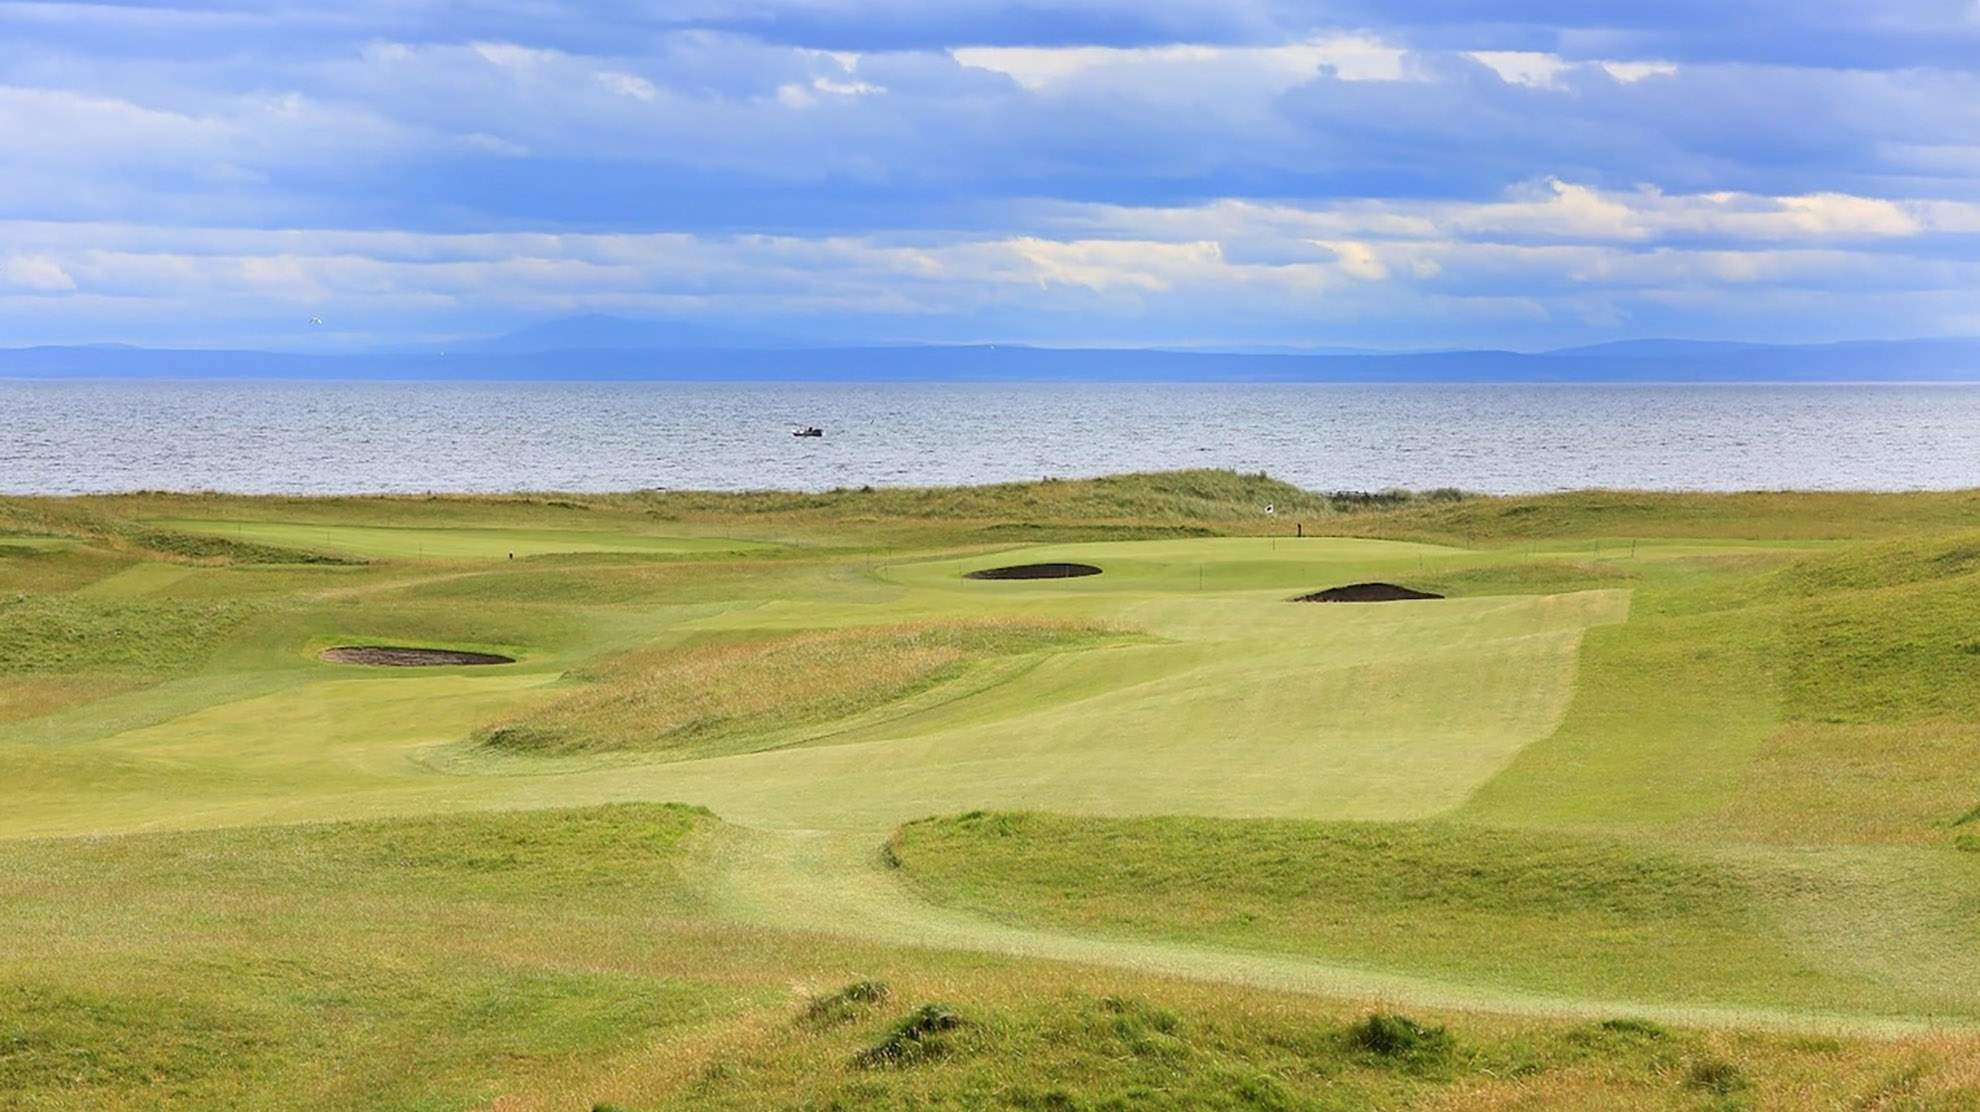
x: 1034, y: 571
x: 1365, y: 592
x: 391, y: 656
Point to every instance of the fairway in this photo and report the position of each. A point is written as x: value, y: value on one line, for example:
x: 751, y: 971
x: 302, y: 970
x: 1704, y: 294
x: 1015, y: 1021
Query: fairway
x: 1581, y: 785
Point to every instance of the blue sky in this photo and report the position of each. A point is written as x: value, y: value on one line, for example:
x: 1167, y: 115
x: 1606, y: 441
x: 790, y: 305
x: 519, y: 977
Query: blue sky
x: 1397, y: 174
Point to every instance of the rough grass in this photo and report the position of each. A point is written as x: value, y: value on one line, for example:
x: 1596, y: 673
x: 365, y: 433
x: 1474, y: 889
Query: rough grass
x: 1532, y: 577
x: 1539, y: 911
x: 43, y: 568
x: 1823, y: 784
x: 1137, y: 500
x: 1889, y: 563
x: 1768, y: 515
x: 1076, y: 1046
x: 63, y: 633
x: 1905, y: 653
x: 29, y: 695
x: 709, y: 699
x: 421, y: 963
x: 199, y: 546
x: 1222, y: 502
x: 848, y: 1003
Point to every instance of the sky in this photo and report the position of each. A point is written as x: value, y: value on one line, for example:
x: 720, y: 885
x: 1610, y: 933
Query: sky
x: 1380, y: 174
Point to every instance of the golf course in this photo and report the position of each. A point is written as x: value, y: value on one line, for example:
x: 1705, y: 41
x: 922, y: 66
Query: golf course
x: 658, y: 800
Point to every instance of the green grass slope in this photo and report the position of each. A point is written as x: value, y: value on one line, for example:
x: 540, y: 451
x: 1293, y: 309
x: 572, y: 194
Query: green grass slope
x: 411, y: 964
x: 1555, y: 914
x: 1704, y: 757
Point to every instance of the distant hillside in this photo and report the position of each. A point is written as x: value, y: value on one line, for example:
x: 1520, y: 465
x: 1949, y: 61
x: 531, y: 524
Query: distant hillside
x: 1872, y: 361
x: 599, y: 332
x: 1659, y: 349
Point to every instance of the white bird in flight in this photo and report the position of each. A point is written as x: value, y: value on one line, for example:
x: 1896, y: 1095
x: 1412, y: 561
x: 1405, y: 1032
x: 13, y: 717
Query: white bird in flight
x: 316, y: 320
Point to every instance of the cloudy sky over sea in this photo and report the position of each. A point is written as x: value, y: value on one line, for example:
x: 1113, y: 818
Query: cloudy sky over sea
x: 1393, y: 174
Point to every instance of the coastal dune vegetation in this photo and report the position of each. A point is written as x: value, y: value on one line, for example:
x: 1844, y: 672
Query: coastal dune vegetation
x: 1669, y: 802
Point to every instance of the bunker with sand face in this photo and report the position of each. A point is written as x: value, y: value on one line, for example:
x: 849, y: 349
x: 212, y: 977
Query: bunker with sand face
x: 1366, y: 592
x: 1035, y: 571
x: 397, y: 656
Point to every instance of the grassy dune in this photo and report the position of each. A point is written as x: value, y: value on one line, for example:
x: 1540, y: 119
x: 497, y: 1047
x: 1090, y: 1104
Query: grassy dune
x: 718, y: 698
x: 1704, y: 759
x: 1556, y: 914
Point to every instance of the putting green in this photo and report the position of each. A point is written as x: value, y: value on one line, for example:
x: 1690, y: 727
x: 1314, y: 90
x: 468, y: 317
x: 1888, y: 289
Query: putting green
x: 410, y: 543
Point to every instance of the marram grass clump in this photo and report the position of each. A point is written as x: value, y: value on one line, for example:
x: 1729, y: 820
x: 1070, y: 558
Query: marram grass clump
x: 1399, y: 1038
x: 848, y: 1003
x: 920, y: 1036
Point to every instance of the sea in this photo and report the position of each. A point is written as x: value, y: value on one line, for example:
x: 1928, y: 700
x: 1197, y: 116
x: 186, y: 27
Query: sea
x: 321, y: 437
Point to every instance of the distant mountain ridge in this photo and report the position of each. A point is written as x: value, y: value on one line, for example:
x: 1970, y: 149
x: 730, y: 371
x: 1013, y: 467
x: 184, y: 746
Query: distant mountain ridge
x: 1661, y: 349
x: 604, y: 348
x: 602, y: 332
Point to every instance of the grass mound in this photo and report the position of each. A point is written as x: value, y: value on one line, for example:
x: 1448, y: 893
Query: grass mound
x: 1531, y: 577
x: 1892, y: 563
x: 45, y: 633
x: 708, y: 699
x: 1903, y: 653
x: 1194, y: 496
x: 197, y: 546
x: 1538, y: 910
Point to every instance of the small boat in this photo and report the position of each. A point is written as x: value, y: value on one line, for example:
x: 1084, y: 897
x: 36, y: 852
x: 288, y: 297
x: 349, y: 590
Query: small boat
x: 808, y: 430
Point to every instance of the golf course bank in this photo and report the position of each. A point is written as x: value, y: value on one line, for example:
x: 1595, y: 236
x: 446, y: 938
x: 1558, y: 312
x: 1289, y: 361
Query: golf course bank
x: 1030, y: 796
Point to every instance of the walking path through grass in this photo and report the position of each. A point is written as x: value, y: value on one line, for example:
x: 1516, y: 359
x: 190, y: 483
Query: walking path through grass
x: 836, y: 883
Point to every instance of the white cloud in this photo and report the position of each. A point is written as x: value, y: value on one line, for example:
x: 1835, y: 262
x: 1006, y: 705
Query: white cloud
x: 629, y: 85
x: 821, y: 89
x: 1349, y: 58
x: 846, y: 88
x: 1542, y: 70
x: 513, y: 56
x: 1357, y: 259
x: 1550, y: 211
x: 1107, y: 264
x: 1522, y: 67
x: 1629, y: 73
x: 40, y: 273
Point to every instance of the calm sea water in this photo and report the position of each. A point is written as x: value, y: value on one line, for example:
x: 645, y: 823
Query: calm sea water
x: 348, y: 437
